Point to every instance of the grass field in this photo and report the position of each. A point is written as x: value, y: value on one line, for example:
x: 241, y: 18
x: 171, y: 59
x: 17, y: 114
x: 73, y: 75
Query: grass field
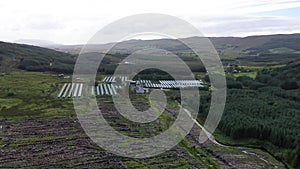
x: 9, y: 103
x: 249, y: 74
x: 26, y: 97
x: 253, y: 70
x: 257, y: 68
x: 32, y: 94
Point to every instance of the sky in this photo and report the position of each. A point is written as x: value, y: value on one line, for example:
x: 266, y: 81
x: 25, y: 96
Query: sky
x: 75, y: 22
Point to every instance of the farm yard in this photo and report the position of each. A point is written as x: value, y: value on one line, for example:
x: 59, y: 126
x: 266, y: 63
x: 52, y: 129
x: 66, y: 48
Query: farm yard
x: 109, y: 86
x: 39, y: 130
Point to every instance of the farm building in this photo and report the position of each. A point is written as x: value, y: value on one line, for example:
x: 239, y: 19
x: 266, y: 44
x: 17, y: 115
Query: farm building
x: 141, y: 90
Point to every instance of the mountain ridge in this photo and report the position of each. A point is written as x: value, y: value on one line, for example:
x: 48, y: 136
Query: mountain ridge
x: 267, y: 49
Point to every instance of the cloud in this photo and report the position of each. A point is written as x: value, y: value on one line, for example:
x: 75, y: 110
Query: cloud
x: 266, y: 6
x: 44, y: 23
x: 73, y: 22
x: 245, y: 25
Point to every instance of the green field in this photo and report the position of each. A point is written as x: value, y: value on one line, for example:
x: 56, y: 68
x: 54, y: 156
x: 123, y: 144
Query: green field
x: 249, y: 74
x: 252, y: 70
x: 32, y: 94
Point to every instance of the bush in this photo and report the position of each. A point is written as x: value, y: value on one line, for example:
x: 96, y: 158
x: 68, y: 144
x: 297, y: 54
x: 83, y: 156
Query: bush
x: 289, y: 85
x: 11, y: 94
x: 233, y: 84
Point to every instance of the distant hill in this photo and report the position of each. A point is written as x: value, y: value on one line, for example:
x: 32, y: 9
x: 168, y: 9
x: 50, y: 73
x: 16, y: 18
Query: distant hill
x: 253, y: 50
x: 263, y: 49
x: 246, y: 43
x: 36, y: 42
x: 32, y: 58
x: 252, y: 41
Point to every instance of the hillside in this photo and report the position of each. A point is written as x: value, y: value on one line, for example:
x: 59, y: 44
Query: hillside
x: 257, y: 50
x: 33, y: 58
x: 264, y: 112
x: 253, y: 50
x: 39, y: 130
x: 286, y: 77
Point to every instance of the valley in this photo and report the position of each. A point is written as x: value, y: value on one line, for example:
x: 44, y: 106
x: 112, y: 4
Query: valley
x: 259, y: 127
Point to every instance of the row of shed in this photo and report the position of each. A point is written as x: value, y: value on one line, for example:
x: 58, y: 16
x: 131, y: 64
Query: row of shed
x: 112, y: 79
x: 171, y: 83
x: 181, y: 83
x: 104, y: 89
x: 108, y: 88
x: 71, y: 90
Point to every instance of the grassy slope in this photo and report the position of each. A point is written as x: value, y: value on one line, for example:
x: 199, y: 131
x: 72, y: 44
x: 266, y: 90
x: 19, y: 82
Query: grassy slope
x: 33, y: 58
x: 33, y: 95
x: 279, y: 74
x: 36, y: 94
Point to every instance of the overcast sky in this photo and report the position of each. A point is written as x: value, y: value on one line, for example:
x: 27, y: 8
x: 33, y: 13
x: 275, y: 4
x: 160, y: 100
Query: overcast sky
x: 75, y: 22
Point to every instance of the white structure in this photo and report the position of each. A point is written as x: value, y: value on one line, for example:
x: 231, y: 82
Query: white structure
x: 80, y: 89
x: 101, y: 89
x: 62, y: 90
x: 97, y: 90
x: 71, y: 90
x: 105, y: 89
x: 67, y: 89
x: 93, y: 91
